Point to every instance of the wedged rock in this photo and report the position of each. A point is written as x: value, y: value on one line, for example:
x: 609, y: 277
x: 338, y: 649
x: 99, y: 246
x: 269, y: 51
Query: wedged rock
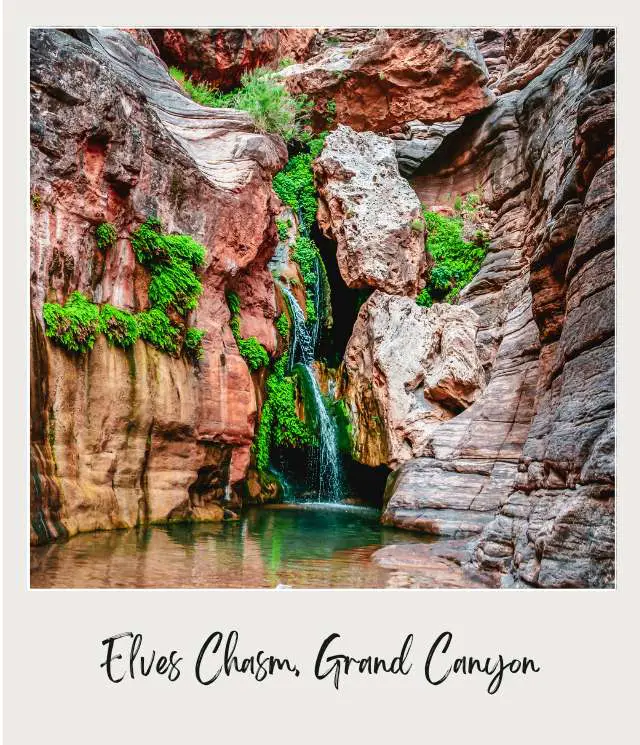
x: 371, y: 211
x: 420, y: 141
x: 124, y: 437
x: 398, y: 76
x: 408, y: 369
x: 220, y: 56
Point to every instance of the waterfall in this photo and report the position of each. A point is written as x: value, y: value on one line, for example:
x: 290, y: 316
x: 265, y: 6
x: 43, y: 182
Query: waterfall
x: 327, y: 468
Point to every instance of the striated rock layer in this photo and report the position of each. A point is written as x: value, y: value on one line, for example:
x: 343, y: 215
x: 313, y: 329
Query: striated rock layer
x: 119, y: 437
x: 371, y: 211
x: 408, y: 369
x: 395, y: 77
x: 530, y: 463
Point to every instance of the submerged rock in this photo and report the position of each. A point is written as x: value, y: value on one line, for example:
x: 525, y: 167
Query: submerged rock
x: 408, y: 369
x: 371, y: 211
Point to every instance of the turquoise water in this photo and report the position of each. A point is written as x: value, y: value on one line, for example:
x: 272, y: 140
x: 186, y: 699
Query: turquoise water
x: 281, y: 545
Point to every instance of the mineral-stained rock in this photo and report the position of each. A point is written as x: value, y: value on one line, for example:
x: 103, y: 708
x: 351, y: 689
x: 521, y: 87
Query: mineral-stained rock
x: 120, y: 437
x: 398, y: 76
x: 220, y: 56
x: 537, y: 447
x: 371, y: 211
x: 409, y: 368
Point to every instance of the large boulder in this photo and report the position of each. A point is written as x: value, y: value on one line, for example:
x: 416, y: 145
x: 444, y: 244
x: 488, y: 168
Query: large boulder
x: 397, y: 76
x: 122, y: 437
x: 408, y: 369
x: 371, y: 211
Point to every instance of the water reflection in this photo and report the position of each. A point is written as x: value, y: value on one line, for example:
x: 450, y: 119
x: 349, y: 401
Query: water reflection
x: 294, y: 545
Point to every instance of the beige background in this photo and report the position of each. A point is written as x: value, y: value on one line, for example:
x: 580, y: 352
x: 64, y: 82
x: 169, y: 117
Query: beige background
x: 583, y: 640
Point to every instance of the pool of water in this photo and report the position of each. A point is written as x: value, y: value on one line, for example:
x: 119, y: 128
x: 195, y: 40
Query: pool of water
x: 282, y: 545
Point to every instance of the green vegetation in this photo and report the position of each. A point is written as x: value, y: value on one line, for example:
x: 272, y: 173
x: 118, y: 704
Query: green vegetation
x: 294, y: 183
x: 283, y: 229
x: 192, y: 345
x: 457, y: 261
x: 73, y: 325
x: 120, y: 327
x: 282, y: 325
x: 342, y: 417
x: 105, y: 235
x: 417, y: 225
x: 156, y: 328
x: 285, y: 62
x: 36, y: 201
x: 279, y: 423
x: 261, y: 95
x: 173, y: 261
x: 254, y: 354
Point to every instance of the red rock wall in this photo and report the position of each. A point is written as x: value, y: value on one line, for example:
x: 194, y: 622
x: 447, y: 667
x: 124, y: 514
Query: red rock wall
x: 121, y: 436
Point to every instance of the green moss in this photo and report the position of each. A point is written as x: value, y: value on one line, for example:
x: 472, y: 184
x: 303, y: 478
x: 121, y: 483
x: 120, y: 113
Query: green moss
x: 279, y: 423
x: 417, y: 225
x: 105, y: 235
x: 73, y: 325
x: 156, y: 328
x: 36, y: 201
x: 456, y: 261
x: 192, y: 345
x: 120, y: 327
x: 342, y: 417
x: 254, y: 354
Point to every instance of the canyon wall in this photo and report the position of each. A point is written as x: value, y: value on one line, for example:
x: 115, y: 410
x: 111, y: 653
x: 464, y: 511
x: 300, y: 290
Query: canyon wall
x: 529, y: 466
x: 123, y: 436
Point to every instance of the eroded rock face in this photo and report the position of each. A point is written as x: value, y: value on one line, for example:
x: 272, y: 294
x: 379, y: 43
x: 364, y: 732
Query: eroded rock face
x: 408, y: 369
x: 220, y: 56
x: 371, y: 211
x: 530, y: 462
x: 398, y: 76
x: 119, y: 437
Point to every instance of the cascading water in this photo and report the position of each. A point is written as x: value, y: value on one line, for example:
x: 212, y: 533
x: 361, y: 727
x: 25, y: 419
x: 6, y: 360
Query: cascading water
x: 327, y: 469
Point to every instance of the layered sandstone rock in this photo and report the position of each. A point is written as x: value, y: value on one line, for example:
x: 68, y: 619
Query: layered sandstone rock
x: 408, y: 369
x: 118, y: 437
x: 371, y: 211
x: 537, y: 446
x: 395, y: 77
x: 220, y: 56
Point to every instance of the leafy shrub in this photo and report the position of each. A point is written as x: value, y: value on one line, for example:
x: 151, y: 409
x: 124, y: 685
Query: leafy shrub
x: 283, y: 229
x: 192, y: 345
x: 305, y: 254
x: 456, y: 261
x: 282, y: 325
x: 173, y: 260
x: 294, y: 185
x: 254, y: 354
x: 105, y: 235
x: 73, y: 325
x: 279, y: 422
x: 261, y: 95
x: 156, y: 328
x: 120, y: 327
